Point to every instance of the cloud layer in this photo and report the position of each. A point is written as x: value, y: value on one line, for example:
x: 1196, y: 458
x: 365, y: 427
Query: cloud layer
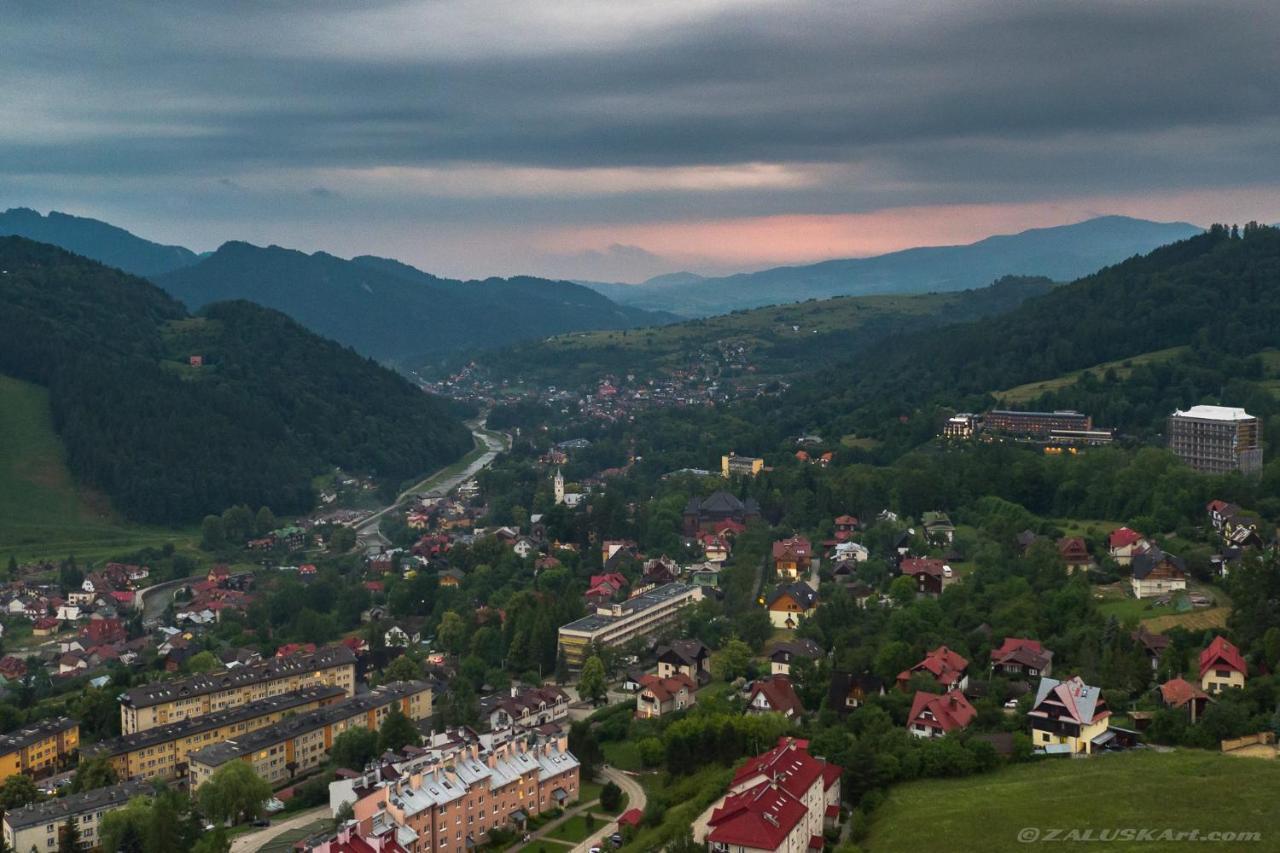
x: 486, y: 137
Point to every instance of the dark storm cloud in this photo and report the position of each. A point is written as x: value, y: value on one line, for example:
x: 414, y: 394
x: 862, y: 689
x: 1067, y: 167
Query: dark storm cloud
x: 905, y: 104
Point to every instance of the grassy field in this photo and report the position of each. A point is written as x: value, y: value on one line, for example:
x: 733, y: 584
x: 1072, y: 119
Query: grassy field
x: 1182, y: 791
x: 575, y: 829
x: 622, y: 754
x: 43, y: 512
x: 1116, y: 600
x: 1122, y: 367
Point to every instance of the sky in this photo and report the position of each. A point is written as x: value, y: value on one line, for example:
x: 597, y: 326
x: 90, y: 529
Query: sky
x: 613, y: 141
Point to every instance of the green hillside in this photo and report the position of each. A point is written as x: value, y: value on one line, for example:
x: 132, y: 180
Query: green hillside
x: 1122, y: 368
x: 758, y: 344
x: 1181, y: 791
x: 43, y: 513
x: 271, y: 406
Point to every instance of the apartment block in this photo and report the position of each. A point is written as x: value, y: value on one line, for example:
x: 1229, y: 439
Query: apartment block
x: 617, y: 624
x: 40, y: 748
x: 162, y: 751
x: 1035, y: 424
x: 449, y: 800
x: 299, y: 743
x: 166, y: 702
x: 39, y: 826
x: 1217, y: 439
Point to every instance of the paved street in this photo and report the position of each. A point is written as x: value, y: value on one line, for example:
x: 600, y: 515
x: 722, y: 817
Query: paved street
x: 636, y: 799
x: 251, y: 841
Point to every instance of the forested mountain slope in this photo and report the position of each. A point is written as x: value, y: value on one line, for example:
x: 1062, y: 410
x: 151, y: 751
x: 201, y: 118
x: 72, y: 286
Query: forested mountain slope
x: 271, y: 406
x: 95, y: 239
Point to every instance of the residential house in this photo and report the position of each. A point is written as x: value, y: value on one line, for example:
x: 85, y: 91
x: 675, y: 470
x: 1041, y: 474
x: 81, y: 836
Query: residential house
x: 1222, y: 667
x: 1153, y: 645
x: 1221, y: 513
x: 947, y: 667
x: 685, y: 657
x: 1074, y: 553
x: 782, y: 654
x: 605, y: 588
x: 1021, y: 658
x: 1124, y: 544
x: 1180, y: 694
x: 774, y: 695
x: 938, y: 528
x: 98, y: 632
x: 791, y: 557
x: 849, y: 691
x: 1069, y: 717
x: 660, y: 570
x: 930, y: 574
x: 703, y: 514
x: 845, y: 527
x: 714, y: 547
x: 850, y: 552
x: 402, y: 636
x: 1157, y: 573
x: 789, y: 603
x: 526, y: 708
x: 933, y: 716
x: 659, y: 696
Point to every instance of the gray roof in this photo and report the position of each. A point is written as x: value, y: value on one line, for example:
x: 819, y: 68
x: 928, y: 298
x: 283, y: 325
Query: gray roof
x: 644, y: 601
x: 197, y: 685
x: 28, y: 735
x: 218, y: 754
x: 1080, y: 699
x: 1144, y: 564
x: 208, y: 722
x: 802, y: 593
x: 59, y: 809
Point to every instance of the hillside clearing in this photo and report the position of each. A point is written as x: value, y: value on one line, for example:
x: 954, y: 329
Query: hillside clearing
x: 1182, y: 790
x: 1122, y: 367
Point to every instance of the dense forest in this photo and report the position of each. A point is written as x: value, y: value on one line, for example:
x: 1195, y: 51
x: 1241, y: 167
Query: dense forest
x: 271, y: 406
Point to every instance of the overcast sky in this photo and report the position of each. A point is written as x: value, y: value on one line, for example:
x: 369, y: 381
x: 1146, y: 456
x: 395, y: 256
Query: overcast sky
x: 609, y: 140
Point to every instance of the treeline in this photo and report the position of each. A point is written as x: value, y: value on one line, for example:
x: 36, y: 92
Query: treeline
x: 272, y: 406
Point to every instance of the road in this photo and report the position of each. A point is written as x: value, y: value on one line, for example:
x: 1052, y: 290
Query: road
x: 252, y: 841
x: 153, y: 603
x: 636, y: 799
x: 493, y: 443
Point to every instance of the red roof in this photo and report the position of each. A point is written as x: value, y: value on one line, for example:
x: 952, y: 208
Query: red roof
x: 921, y: 565
x: 779, y: 693
x: 796, y: 548
x: 947, y: 667
x: 1177, y: 692
x: 631, y: 817
x: 1222, y: 655
x: 1124, y: 537
x: 665, y: 688
x: 949, y: 712
x: 761, y: 818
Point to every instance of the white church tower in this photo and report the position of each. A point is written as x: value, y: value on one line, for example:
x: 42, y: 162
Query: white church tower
x: 559, y: 487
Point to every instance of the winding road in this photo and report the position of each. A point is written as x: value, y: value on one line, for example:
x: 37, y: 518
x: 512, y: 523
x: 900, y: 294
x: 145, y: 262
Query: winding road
x: 636, y: 799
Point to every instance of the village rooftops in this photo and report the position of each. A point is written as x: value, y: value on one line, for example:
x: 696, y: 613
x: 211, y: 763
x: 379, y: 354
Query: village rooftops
x: 216, y: 720
x: 60, y: 809
x: 218, y: 754
x: 644, y: 601
x: 34, y: 733
x: 198, y: 685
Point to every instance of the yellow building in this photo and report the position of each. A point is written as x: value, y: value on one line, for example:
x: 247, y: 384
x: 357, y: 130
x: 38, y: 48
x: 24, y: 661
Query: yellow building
x: 747, y: 466
x: 40, y: 825
x: 166, y: 702
x: 299, y: 743
x: 1069, y: 717
x: 40, y: 748
x: 162, y: 751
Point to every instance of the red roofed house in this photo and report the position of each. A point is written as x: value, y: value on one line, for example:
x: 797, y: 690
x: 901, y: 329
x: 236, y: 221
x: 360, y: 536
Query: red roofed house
x: 12, y: 668
x: 291, y: 649
x: 715, y: 546
x: 1221, y: 667
x: 791, y: 557
x: 101, y: 632
x: 947, y: 668
x: 660, y: 696
x: 1021, y: 658
x: 779, y: 801
x: 1125, y: 544
x: 928, y: 572
x: 1178, y: 693
x: 774, y: 695
x: 349, y: 840
x: 934, y: 716
x: 845, y: 527
x: 1074, y: 553
x: 1069, y: 717
x: 604, y: 587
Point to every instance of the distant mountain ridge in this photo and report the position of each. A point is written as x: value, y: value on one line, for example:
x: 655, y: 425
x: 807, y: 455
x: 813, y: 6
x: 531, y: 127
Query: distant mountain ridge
x: 97, y: 240
x: 1062, y: 253
x: 394, y: 312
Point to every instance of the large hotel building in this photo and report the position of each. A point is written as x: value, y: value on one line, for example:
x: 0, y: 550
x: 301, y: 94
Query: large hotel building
x: 1217, y: 439
x: 638, y: 617
x: 166, y: 702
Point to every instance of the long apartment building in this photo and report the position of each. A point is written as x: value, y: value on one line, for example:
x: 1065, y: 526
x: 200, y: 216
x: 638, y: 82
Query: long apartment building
x: 299, y: 743
x: 1217, y: 439
x: 617, y: 624
x: 40, y: 825
x: 166, y: 702
x: 1037, y: 424
x: 40, y: 748
x: 162, y: 751
x: 448, y: 801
